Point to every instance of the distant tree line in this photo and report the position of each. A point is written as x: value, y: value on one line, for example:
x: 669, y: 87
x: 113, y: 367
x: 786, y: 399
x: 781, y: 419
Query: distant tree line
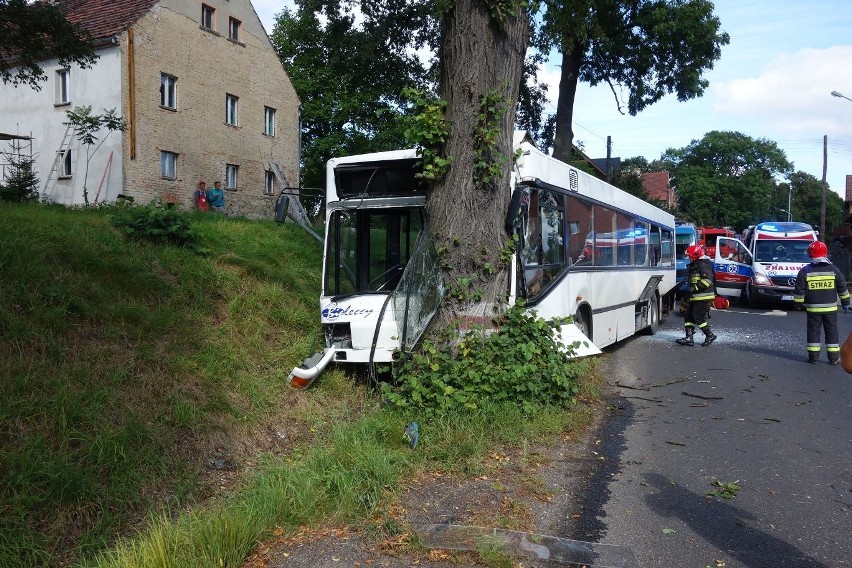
x: 728, y: 179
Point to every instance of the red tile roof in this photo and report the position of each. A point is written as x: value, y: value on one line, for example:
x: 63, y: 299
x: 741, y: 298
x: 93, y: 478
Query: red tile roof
x: 657, y: 186
x: 104, y: 18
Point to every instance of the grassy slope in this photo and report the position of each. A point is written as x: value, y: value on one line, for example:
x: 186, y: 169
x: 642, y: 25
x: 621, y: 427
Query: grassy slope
x: 123, y: 363
x: 128, y: 366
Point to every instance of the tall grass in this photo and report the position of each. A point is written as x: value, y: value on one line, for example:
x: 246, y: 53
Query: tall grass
x: 120, y: 359
x: 344, y: 478
x: 126, y: 366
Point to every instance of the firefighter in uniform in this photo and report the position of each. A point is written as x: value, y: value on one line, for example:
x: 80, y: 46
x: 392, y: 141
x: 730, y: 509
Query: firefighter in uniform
x: 699, y: 278
x: 818, y: 286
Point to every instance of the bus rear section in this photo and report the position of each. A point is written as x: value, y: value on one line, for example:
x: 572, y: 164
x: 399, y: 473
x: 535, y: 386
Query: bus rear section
x: 762, y: 270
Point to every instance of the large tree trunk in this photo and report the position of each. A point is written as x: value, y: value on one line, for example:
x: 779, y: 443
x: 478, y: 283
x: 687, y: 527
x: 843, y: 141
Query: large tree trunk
x: 479, y: 56
x: 563, y: 142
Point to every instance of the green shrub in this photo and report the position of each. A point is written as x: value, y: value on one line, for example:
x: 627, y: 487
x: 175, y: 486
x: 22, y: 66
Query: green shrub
x: 22, y: 182
x: 156, y: 223
x: 522, y: 362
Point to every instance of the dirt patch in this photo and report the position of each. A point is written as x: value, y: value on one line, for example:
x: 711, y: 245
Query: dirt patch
x: 533, y: 489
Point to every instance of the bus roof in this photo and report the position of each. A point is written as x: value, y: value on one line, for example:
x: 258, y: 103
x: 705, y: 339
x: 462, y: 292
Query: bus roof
x: 533, y: 165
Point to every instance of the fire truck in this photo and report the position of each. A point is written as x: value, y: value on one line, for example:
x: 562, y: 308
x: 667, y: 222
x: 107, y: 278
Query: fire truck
x: 708, y: 237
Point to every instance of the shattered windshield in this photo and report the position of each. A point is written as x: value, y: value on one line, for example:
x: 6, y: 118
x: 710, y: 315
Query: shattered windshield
x: 369, y: 248
x: 418, y: 296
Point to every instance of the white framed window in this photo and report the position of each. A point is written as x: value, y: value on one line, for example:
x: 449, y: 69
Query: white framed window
x: 65, y: 164
x: 231, y: 173
x: 269, y: 121
x: 168, y: 91
x: 208, y: 17
x: 63, y: 86
x: 231, y: 109
x: 234, y: 29
x: 269, y: 183
x: 168, y: 165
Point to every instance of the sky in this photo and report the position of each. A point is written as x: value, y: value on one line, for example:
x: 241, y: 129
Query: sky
x: 773, y: 81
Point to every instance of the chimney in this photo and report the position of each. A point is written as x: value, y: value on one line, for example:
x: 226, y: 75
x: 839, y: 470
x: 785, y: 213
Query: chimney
x: 848, y: 188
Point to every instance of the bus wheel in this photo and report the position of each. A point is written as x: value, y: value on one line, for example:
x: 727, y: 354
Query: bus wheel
x: 653, y: 316
x: 581, y: 320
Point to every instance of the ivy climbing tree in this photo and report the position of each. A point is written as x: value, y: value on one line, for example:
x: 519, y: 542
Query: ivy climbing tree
x: 482, y: 60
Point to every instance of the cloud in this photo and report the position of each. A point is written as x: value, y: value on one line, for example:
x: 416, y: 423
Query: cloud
x: 792, y: 94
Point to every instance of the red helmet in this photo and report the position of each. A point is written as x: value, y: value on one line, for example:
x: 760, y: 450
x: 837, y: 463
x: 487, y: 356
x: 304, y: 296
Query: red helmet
x: 695, y: 252
x: 817, y: 249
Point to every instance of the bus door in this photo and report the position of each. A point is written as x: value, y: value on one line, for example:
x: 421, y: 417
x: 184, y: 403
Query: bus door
x: 733, y: 266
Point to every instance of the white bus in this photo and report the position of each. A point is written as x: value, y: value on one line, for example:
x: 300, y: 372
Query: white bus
x: 585, y: 249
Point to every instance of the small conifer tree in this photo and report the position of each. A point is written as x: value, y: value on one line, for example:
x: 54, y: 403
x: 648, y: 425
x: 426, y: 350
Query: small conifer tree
x: 21, y: 184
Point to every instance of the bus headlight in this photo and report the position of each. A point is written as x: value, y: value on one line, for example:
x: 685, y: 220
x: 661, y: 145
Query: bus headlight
x: 762, y: 279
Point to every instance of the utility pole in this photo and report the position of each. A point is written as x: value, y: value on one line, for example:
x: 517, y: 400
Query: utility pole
x: 822, y: 234
x: 608, y: 158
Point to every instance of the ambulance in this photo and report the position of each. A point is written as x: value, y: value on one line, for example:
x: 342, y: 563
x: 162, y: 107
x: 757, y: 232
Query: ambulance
x: 762, y: 268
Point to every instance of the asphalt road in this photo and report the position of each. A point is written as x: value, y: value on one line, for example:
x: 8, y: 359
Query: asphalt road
x: 747, y: 409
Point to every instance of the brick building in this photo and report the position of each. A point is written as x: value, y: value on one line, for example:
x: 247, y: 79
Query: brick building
x: 658, y: 186
x: 203, y: 93
x: 847, y: 211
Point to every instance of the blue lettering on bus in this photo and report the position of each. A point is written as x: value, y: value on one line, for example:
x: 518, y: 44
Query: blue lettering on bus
x: 335, y: 312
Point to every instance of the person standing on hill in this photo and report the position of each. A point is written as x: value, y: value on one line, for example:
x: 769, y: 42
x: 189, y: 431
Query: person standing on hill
x: 818, y: 285
x: 199, y: 198
x: 699, y: 279
x: 216, y: 197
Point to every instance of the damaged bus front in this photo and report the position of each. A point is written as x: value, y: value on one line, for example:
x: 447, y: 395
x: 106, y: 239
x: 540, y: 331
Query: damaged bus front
x: 381, y: 282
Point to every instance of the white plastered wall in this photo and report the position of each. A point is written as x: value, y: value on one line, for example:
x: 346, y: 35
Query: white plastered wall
x: 29, y: 112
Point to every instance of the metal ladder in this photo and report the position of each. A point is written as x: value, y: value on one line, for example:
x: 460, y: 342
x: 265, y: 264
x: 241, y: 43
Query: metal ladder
x: 50, y: 182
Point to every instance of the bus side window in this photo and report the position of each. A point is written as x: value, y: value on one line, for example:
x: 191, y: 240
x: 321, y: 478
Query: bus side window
x: 605, y: 236
x: 642, y: 232
x: 552, y: 245
x: 667, y: 248
x: 654, y: 239
x: 581, y: 237
x: 532, y: 234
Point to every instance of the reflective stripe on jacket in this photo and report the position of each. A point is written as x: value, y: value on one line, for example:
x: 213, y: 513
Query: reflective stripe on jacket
x: 700, y: 276
x: 818, y: 285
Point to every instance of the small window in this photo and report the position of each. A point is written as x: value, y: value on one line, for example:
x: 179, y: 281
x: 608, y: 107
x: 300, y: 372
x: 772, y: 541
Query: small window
x: 63, y: 86
x: 65, y: 164
x: 168, y: 91
x: 207, y: 16
x: 231, y: 171
x: 269, y: 185
x: 269, y: 121
x: 231, y: 109
x: 168, y: 165
x: 234, y: 29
